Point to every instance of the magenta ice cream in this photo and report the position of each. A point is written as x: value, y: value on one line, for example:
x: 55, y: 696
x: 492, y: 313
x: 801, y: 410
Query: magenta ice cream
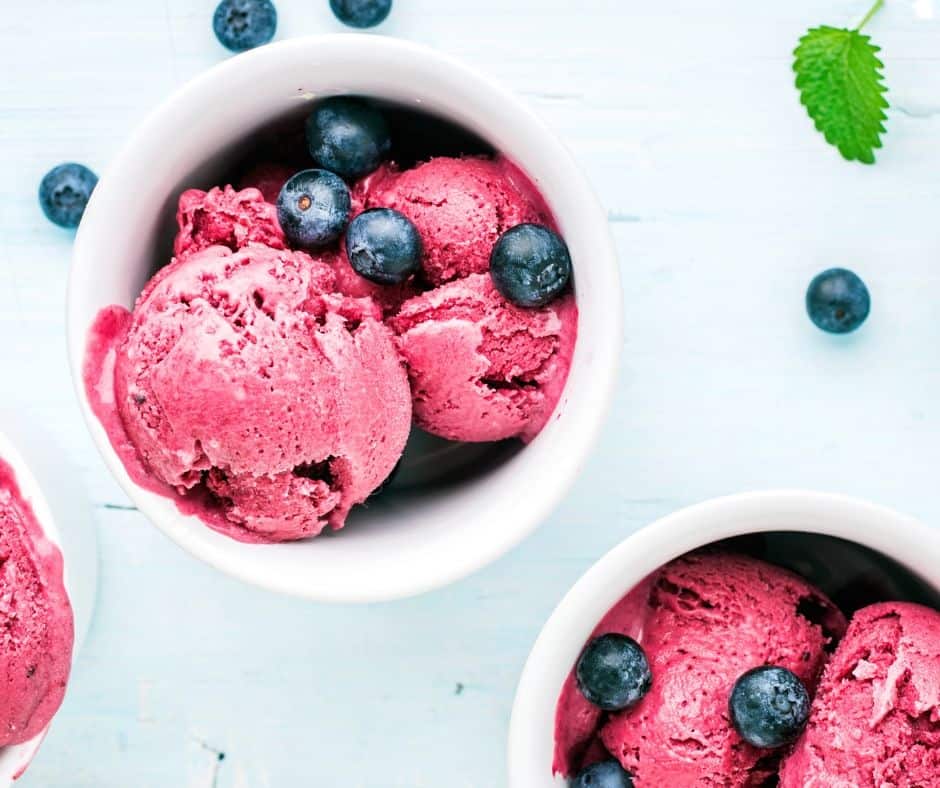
x: 268, y: 386
x: 242, y: 374
x: 481, y: 368
x: 703, y: 620
x: 225, y: 217
x: 875, y: 720
x: 36, y: 627
x: 388, y: 297
x: 460, y: 206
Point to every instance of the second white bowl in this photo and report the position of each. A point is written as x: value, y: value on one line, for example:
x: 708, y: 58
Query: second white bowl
x: 914, y: 547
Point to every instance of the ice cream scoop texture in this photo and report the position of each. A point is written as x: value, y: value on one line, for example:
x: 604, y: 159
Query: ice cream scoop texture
x: 241, y: 372
x: 36, y: 626
x: 703, y: 621
x: 875, y: 721
x: 481, y: 368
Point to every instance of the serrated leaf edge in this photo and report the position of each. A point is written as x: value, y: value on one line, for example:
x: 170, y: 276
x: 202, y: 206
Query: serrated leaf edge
x: 865, y: 157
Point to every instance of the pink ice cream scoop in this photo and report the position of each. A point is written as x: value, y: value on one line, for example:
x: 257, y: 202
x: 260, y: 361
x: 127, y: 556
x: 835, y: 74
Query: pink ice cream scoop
x: 241, y: 376
x: 460, y: 207
x: 875, y: 720
x: 36, y: 628
x: 481, y: 368
x: 703, y: 620
x: 225, y: 217
x: 388, y: 297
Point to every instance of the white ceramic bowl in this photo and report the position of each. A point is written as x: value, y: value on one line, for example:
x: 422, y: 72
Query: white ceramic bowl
x: 63, y: 512
x: 909, y: 543
x: 410, y: 544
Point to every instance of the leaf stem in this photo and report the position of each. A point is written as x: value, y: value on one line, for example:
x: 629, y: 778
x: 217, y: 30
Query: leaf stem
x: 871, y: 12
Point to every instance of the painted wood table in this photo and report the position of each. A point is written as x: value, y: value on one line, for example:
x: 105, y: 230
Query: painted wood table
x: 724, y: 203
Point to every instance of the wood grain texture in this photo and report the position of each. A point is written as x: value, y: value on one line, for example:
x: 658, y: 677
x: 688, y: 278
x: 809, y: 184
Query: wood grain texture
x: 724, y: 203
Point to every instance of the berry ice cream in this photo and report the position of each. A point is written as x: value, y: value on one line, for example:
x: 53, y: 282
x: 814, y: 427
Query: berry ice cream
x: 230, y: 218
x: 36, y: 628
x: 875, y: 720
x: 481, y: 368
x: 388, y: 297
x: 703, y: 621
x: 223, y: 216
x: 243, y: 375
x: 460, y: 207
x: 266, y: 389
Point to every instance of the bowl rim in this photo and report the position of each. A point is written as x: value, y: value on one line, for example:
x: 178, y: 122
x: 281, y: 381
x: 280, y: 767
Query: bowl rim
x: 606, y: 353
x: 910, y: 542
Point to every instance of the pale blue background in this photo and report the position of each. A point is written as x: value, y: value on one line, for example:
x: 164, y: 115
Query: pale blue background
x: 723, y: 203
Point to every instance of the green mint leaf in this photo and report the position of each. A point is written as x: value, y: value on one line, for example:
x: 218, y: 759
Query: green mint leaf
x: 840, y: 82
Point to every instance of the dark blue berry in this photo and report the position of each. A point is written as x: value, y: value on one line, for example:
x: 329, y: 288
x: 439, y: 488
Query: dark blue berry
x: 383, y: 246
x: 607, y: 774
x: 837, y: 301
x: 769, y: 706
x: 64, y: 193
x: 244, y: 24
x: 313, y: 208
x: 347, y: 136
x: 613, y: 672
x: 530, y: 265
x: 361, y: 13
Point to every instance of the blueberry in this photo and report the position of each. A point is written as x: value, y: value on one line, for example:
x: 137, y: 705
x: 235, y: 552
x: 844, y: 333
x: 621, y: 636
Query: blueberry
x: 361, y: 13
x: 244, y: 24
x: 606, y: 774
x: 613, y: 672
x: 383, y: 246
x: 769, y: 706
x: 347, y: 136
x: 313, y: 208
x: 64, y: 193
x: 530, y: 265
x: 837, y: 301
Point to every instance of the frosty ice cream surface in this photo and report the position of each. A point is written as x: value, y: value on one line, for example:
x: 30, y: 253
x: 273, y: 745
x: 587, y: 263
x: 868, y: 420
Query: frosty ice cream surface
x: 268, y: 375
x: 36, y: 626
x: 707, y: 621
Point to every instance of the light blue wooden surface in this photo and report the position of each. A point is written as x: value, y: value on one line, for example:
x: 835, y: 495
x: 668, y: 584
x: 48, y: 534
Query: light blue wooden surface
x: 723, y: 203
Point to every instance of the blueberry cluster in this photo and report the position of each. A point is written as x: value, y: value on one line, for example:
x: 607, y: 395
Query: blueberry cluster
x: 348, y: 137
x: 241, y: 25
x: 769, y: 705
x: 614, y: 674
